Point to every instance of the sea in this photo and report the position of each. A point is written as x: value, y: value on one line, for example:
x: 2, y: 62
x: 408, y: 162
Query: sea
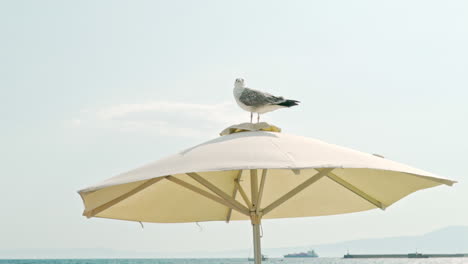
x: 238, y: 261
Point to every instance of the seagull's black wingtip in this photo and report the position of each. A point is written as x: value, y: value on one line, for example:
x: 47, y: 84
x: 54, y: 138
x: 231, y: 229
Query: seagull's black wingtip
x: 289, y: 103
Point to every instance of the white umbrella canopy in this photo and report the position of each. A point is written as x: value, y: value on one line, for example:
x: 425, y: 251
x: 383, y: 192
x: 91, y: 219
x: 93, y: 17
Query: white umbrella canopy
x: 255, y: 175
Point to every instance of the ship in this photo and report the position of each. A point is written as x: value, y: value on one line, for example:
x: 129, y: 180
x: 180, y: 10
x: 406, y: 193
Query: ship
x: 308, y: 254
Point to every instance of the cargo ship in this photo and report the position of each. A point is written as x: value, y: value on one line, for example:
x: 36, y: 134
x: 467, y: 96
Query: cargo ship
x: 308, y: 254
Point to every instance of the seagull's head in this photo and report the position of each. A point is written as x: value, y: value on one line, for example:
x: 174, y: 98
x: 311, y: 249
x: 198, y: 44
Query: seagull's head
x: 239, y: 82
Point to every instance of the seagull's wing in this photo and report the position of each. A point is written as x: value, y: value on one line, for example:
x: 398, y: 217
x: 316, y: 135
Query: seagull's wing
x: 255, y: 98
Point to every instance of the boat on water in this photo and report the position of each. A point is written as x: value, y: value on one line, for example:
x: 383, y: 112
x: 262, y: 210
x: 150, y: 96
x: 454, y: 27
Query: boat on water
x: 308, y: 254
x: 263, y: 258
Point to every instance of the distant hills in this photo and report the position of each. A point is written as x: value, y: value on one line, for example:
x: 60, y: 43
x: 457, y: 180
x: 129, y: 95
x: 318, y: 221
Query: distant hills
x: 452, y: 239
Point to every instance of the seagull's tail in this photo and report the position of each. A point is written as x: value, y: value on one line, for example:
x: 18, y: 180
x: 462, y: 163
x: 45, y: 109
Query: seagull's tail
x: 289, y: 103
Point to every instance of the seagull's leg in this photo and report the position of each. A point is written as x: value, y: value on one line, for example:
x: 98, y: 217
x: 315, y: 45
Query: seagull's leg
x: 251, y: 116
x: 258, y: 117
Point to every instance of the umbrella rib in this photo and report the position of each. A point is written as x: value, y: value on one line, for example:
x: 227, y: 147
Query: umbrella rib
x: 441, y: 181
x: 296, y: 190
x: 122, y: 197
x: 206, y: 194
x: 260, y: 192
x: 244, y: 195
x: 254, y: 188
x: 356, y: 190
x: 217, y: 191
x: 234, y: 193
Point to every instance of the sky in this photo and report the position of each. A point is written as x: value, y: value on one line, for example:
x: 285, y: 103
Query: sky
x: 90, y: 89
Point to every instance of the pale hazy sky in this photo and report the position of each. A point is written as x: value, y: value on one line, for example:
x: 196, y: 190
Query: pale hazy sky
x: 90, y: 89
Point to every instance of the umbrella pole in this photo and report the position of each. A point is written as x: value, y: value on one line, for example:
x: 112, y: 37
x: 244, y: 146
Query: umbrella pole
x: 256, y: 240
x: 255, y: 215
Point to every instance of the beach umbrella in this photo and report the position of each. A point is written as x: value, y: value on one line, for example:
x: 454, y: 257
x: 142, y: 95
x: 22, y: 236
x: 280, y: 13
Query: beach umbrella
x: 254, y: 172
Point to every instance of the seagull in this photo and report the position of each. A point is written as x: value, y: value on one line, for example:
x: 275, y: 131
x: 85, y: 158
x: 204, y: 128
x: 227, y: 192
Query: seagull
x: 259, y: 102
